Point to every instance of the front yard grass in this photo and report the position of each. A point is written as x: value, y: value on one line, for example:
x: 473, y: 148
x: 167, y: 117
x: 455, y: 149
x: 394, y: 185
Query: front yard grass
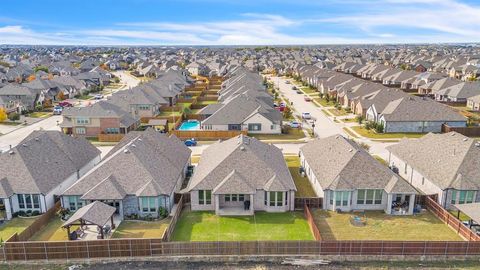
x: 293, y: 134
x: 308, y: 90
x: 53, y: 231
x: 39, y: 114
x: 141, y: 229
x: 373, y: 135
x: 263, y: 226
x: 324, y: 102
x: 338, y: 112
x: 15, y: 225
x: 304, y: 188
x: 206, y: 102
x: 422, y: 227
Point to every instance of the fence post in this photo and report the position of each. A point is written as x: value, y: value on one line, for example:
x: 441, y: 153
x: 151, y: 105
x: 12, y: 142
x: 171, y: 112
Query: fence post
x: 130, y: 246
x: 66, y: 250
x: 468, y: 246
x: 151, y: 252
x: 424, y: 247
x: 109, y: 252
x: 446, y: 248
x: 24, y: 251
x: 45, y: 249
x: 88, y: 250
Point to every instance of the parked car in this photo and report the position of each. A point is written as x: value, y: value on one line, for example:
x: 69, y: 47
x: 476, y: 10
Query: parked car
x: 191, y: 142
x: 307, y: 98
x: 295, y: 124
x: 65, y: 104
x: 306, y: 115
x: 287, y: 82
x: 57, y: 110
x: 294, y: 88
x: 283, y: 104
x: 299, y: 92
x: 98, y: 96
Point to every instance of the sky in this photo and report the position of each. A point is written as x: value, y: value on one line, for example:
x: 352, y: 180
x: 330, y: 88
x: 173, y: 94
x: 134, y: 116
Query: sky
x: 238, y: 22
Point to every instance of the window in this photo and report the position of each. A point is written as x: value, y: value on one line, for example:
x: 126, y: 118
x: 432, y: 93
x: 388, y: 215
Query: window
x: 241, y: 197
x: 82, y: 121
x: 227, y: 197
x: 80, y: 131
x: 28, y: 201
x: 463, y: 196
x: 72, y: 202
x: 144, y: 107
x: 369, y: 196
x: 254, y: 127
x: 265, y: 198
x: 205, y: 197
x: 112, y: 130
x: 148, y: 204
x: 331, y: 197
x: 21, y: 202
x: 276, y: 198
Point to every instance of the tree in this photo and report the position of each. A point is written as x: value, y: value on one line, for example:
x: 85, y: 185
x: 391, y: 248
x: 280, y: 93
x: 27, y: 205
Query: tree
x: 359, y: 119
x: 42, y: 68
x: 31, y: 78
x: 287, y: 113
x: 3, y: 114
x: 379, y: 128
x: 13, y: 116
x: 60, y: 95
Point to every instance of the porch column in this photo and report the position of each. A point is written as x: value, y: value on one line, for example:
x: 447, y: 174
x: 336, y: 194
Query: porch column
x: 217, y: 203
x: 389, y: 204
x: 411, y: 204
x: 252, y: 211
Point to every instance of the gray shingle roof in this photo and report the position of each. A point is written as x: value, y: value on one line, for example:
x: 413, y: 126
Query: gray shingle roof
x: 97, y: 213
x: 340, y: 164
x: 449, y: 160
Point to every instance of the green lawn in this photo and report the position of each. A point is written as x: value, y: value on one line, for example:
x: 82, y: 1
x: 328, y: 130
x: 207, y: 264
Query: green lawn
x: 85, y: 97
x: 422, y: 227
x: 53, y: 231
x: 337, y: 112
x: 207, y: 102
x: 141, y: 229
x: 15, y: 225
x: 373, y: 135
x: 463, y: 217
x: 39, y: 114
x: 350, y: 133
x: 293, y: 134
x: 304, y: 189
x: 170, y: 113
x: 349, y: 120
x: 308, y: 90
x: 324, y: 102
x: 185, y: 104
x: 206, y: 226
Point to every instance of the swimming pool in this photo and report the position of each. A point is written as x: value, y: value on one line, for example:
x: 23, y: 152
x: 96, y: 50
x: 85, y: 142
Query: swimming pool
x: 190, y: 125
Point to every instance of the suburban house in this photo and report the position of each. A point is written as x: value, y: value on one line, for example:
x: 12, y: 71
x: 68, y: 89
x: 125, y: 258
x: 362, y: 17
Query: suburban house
x: 243, y: 112
x: 458, y: 93
x: 138, y: 177
x: 473, y: 103
x: 446, y: 165
x: 239, y: 176
x: 40, y: 168
x: 348, y: 178
x: 100, y: 118
x: 421, y: 115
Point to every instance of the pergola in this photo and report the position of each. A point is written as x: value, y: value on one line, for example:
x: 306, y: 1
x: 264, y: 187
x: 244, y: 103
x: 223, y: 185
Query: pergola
x: 472, y: 210
x: 96, y: 213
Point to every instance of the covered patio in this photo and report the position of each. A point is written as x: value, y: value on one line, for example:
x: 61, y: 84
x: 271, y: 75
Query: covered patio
x: 472, y: 210
x: 234, y: 196
x: 401, y: 203
x: 91, y: 219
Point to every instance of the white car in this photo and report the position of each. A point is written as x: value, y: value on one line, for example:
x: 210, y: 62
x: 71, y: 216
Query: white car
x: 98, y: 96
x: 306, y: 115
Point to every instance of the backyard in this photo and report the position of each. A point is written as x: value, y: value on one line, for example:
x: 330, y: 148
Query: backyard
x: 53, y: 231
x: 141, y: 229
x: 293, y: 134
x: 16, y: 225
x: 422, y: 227
x: 206, y: 226
x: 304, y: 189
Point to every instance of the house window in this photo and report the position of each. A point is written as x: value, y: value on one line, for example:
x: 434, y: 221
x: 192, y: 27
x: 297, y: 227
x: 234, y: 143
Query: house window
x: 234, y: 197
x: 72, y: 203
x: 82, y: 121
x: 369, y: 196
x: 204, y: 197
x: 112, y: 130
x: 80, y: 131
x: 21, y: 202
x: 28, y: 201
x: 148, y: 204
x: 241, y: 197
x: 227, y: 197
x: 341, y: 198
x: 276, y: 198
x: 234, y: 127
x: 265, y: 198
x: 254, y: 127
x: 463, y: 196
x: 144, y: 107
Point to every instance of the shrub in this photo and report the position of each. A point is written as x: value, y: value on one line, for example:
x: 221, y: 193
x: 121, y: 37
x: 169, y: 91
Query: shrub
x: 13, y: 116
x: 162, y: 212
x: 3, y: 115
x: 379, y: 128
x: 35, y: 213
x: 359, y: 119
x: 21, y: 213
x: 348, y: 110
x: 369, y: 125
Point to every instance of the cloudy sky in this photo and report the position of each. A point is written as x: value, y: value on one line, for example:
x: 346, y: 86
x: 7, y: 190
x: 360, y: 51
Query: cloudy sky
x: 238, y: 22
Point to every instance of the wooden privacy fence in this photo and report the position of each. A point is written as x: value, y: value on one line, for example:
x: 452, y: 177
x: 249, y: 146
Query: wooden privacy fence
x: 311, y: 223
x: 451, y: 220
x: 207, y: 134
x: 167, y: 235
x: 156, y: 247
x: 110, y: 137
x: 36, y: 226
x: 467, y: 131
x: 311, y: 202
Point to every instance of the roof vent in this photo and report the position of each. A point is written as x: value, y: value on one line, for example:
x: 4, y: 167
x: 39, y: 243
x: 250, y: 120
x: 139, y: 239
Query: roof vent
x: 24, y: 145
x: 11, y: 152
x: 465, y: 139
x: 133, y: 145
x: 126, y: 151
x: 477, y: 144
x: 242, y: 148
x: 350, y: 150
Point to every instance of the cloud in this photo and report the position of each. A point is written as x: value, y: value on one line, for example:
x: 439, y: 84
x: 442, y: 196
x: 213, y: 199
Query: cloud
x: 366, y: 21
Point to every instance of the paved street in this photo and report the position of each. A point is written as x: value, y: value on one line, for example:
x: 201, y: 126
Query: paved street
x: 324, y: 125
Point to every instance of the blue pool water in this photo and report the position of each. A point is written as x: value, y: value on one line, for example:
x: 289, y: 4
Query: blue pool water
x: 190, y: 125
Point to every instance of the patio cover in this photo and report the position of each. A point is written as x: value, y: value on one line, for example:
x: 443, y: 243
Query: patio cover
x: 96, y: 213
x: 470, y: 209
